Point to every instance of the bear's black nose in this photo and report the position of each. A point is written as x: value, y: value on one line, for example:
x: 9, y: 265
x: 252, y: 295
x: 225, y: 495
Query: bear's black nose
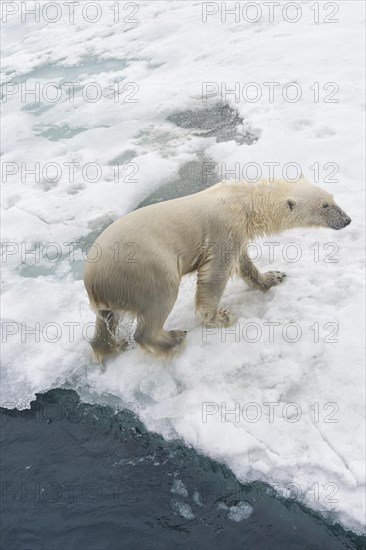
x: 347, y: 221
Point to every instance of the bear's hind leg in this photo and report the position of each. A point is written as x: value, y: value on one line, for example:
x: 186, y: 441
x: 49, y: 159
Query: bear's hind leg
x: 150, y: 333
x: 105, y: 341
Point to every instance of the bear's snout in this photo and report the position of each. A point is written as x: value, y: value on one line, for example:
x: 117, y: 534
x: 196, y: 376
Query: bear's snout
x: 336, y: 218
x: 341, y: 224
x: 344, y: 221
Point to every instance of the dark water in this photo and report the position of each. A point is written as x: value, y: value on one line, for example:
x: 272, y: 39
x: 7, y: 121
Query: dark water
x: 80, y: 476
x: 219, y: 121
x: 193, y: 176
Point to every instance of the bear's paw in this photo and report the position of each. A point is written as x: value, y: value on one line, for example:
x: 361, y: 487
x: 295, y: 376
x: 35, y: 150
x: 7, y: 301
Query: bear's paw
x: 272, y: 278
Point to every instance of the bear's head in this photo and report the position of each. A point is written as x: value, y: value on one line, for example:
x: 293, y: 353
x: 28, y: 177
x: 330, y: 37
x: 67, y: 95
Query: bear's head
x: 311, y: 206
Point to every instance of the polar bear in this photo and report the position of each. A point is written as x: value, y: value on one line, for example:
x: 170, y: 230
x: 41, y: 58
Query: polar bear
x: 136, y: 264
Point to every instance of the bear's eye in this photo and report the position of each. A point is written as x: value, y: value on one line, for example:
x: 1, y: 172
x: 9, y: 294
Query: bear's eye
x: 325, y: 205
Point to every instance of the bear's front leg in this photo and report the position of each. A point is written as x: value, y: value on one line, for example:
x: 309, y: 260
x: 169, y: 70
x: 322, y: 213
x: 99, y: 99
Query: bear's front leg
x: 256, y: 279
x: 212, y: 278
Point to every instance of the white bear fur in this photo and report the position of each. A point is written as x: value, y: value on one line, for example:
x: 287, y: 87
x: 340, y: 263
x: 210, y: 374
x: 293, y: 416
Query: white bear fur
x: 144, y: 255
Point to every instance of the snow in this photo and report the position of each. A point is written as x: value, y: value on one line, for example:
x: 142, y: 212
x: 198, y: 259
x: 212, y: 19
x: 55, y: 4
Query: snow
x: 290, y: 413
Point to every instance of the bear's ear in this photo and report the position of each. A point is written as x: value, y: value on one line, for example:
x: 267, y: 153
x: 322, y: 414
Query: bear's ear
x: 291, y: 204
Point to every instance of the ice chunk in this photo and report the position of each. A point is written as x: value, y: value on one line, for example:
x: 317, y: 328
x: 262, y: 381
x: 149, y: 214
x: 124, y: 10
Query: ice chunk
x: 241, y: 511
x: 183, y: 509
x: 178, y: 488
